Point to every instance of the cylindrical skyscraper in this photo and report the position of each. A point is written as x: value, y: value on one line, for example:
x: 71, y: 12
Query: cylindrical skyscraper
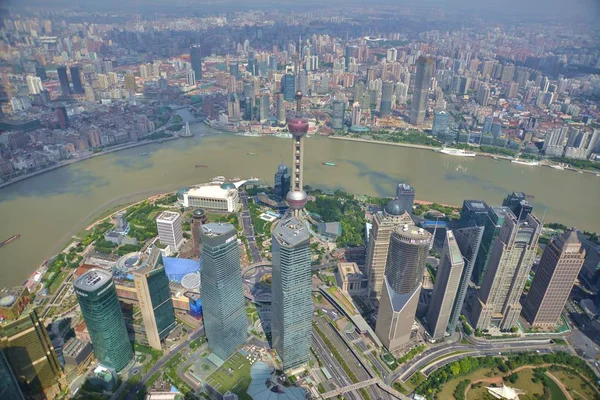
x: 407, y: 256
x: 101, y: 311
x: 298, y: 127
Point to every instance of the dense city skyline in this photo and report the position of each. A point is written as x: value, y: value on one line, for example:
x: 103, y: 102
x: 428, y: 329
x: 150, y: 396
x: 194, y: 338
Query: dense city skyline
x: 283, y: 273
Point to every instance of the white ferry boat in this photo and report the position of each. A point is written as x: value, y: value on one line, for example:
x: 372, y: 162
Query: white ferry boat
x: 558, y: 167
x: 283, y: 135
x: 456, y: 152
x: 530, y: 163
x: 249, y: 134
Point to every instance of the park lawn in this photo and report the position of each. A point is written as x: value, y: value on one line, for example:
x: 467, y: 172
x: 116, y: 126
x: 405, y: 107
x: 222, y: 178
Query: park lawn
x: 448, y: 389
x: 414, y: 380
x: 526, y: 384
x: 556, y: 392
x: 58, y: 281
x: 575, y: 384
x: 237, y: 381
x: 479, y: 392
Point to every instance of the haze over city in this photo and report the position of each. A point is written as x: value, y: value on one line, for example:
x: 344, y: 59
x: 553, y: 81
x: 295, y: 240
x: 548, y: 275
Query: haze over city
x: 275, y: 199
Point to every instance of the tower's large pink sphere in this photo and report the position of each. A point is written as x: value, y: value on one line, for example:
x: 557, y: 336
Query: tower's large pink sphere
x: 298, y: 126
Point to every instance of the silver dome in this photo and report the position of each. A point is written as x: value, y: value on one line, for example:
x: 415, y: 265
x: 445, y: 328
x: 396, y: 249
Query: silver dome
x: 296, y: 199
x: 394, y: 207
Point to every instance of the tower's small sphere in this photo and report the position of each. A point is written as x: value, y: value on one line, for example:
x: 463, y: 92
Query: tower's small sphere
x: 296, y: 199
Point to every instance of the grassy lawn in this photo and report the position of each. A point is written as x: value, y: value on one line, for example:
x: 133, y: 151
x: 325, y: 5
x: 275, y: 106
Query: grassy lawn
x: 576, y: 385
x: 236, y: 380
x: 415, y: 380
x: 555, y: 391
x: 448, y: 389
x: 58, y: 281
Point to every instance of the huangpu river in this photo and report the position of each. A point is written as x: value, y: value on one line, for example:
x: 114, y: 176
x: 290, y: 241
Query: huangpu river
x: 50, y: 208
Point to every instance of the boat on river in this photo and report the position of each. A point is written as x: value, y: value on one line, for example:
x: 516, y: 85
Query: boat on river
x: 456, y: 152
x: 201, y: 166
x: 10, y: 239
x: 329, y: 164
x: 252, y: 154
x: 528, y: 163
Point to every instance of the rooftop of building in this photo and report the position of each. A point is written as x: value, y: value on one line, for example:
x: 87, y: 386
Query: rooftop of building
x: 9, y: 296
x: 168, y: 216
x: 74, y: 346
x: 412, y: 233
x: 214, y: 229
x: 212, y: 191
x: 476, y: 205
x: 347, y: 268
x: 92, y: 280
x: 453, y: 249
x: 290, y: 232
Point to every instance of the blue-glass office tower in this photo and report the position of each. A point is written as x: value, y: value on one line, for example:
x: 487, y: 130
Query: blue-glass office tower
x: 282, y: 181
x: 101, y: 311
x: 493, y: 224
x: 337, y: 114
x: 288, y: 87
x: 64, y: 81
x: 406, y: 196
x: 386, y: 97
x: 468, y: 234
x: 196, y: 59
x: 518, y: 204
x: 9, y: 387
x: 273, y: 64
x: 252, y: 66
x: 223, y: 304
x: 441, y: 127
x: 76, y: 79
x: 348, y: 53
x: 234, y: 69
x: 291, y: 306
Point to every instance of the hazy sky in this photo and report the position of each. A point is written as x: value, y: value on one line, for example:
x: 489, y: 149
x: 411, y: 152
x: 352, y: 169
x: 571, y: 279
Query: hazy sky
x: 557, y: 9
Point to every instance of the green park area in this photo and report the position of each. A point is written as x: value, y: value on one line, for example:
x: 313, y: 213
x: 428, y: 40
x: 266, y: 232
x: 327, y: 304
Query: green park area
x: 529, y: 372
x: 342, y: 300
x: 233, y: 376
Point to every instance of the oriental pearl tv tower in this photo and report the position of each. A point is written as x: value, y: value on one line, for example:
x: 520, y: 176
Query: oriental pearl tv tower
x: 298, y: 127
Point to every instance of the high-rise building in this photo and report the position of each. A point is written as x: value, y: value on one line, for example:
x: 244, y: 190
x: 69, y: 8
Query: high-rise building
x: 76, y: 79
x: 508, y: 72
x: 554, y: 278
x: 196, y: 60
x: 265, y: 107
x: 356, y: 114
x: 130, y: 81
x: 392, y: 55
x: 492, y: 226
x: 483, y: 95
x: 223, y: 303
x: 384, y: 223
x: 41, y: 73
x: 64, y: 81
x: 518, y: 204
x: 441, y: 126
x: 63, y: 118
x: 28, y: 351
x: 291, y: 307
x: 288, y: 87
x: 337, y: 114
x: 512, y: 255
x: 402, y: 282
x: 468, y: 234
x: 34, y: 84
x: 170, y: 232
x: 406, y: 196
x: 234, y: 69
x: 348, y: 54
x: 9, y: 387
x: 386, y: 97
x: 154, y: 301
x: 447, y: 282
x: 280, y: 109
x: 101, y: 311
x: 421, y: 90
x: 282, y: 181
x: 191, y: 77
x: 198, y: 218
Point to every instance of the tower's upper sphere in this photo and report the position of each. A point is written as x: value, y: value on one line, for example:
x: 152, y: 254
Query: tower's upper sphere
x: 296, y: 199
x: 298, y: 126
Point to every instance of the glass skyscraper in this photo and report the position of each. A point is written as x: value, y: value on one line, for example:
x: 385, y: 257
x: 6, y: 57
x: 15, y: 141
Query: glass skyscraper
x: 76, y: 79
x: 291, y: 306
x: 64, y: 81
x: 30, y: 355
x: 493, y: 224
x: 282, y: 181
x: 101, y: 311
x: 288, y: 87
x: 196, y: 60
x: 9, y: 387
x: 222, y: 293
x: 154, y: 298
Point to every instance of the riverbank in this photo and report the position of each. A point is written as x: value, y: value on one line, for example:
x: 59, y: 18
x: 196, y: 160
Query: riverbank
x: 543, y: 163
x: 74, y: 161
